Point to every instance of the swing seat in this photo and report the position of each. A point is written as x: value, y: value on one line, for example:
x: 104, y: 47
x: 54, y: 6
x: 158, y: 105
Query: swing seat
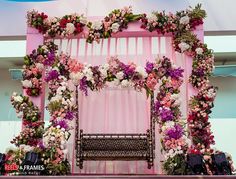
x: 125, y: 147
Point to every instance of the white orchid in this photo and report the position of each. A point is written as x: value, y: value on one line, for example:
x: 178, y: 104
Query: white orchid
x: 184, y: 20
x: 70, y: 28
x: 183, y: 46
x: 199, y: 51
x: 115, y: 27
x: 27, y: 83
x: 97, y: 25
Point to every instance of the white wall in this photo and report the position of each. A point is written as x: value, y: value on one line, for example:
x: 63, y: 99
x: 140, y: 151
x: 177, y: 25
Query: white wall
x: 7, y: 87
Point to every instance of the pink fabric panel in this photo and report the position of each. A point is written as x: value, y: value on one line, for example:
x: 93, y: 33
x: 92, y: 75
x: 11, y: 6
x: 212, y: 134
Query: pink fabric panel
x: 33, y: 40
x: 124, y: 111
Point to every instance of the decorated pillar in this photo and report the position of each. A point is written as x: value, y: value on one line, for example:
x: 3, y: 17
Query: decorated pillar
x: 33, y: 40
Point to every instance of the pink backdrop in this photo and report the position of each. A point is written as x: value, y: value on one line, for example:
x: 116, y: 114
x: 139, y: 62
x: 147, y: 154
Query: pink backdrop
x: 115, y: 110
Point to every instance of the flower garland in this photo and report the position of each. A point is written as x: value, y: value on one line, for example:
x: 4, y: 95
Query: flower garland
x: 30, y: 114
x: 113, y: 73
x: 179, y: 25
x: 66, y: 26
x: 117, y: 20
x: 62, y: 111
x: 173, y: 131
x: 199, y: 125
x: 33, y: 67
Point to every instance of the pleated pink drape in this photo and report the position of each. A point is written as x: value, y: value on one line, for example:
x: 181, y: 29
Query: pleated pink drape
x: 120, y: 110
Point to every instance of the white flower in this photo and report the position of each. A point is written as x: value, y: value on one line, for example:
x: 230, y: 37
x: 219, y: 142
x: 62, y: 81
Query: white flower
x: 125, y: 83
x: 167, y: 125
x: 27, y: 83
x: 141, y: 70
x: 52, y: 138
x: 199, y: 51
x: 18, y: 98
x: 88, y: 73
x: 45, y: 48
x: 75, y: 77
x: 83, y: 20
x: 174, y: 97
x: 183, y: 46
x: 70, y: 28
x: 56, y: 98
x: 184, y: 20
x: 97, y: 25
x: 152, y: 18
x: 40, y: 66
x: 103, y: 72
x: 120, y: 75
x: 26, y: 148
x: 115, y: 27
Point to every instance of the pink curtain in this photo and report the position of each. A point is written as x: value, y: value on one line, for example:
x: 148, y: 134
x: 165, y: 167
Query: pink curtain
x: 116, y: 110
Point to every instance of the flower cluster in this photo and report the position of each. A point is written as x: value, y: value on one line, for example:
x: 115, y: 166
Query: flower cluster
x: 200, y: 108
x: 34, y: 66
x: 33, y: 127
x: 37, y: 20
x: 167, y: 108
x: 113, y: 73
x: 180, y: 25
x: 174, y: 23
x: 67, y: 25
x: 15, y: 156
x: 117, y: 20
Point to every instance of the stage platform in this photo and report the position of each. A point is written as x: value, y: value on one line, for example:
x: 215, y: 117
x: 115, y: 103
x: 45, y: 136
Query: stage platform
x: 125, y: 176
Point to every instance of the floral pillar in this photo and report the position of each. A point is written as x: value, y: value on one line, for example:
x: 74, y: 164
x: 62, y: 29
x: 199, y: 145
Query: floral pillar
x: 191, y: 91
x: 33, y: 40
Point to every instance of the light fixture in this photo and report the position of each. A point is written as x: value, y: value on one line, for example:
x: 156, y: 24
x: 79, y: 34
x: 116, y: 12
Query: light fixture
x: 195, y: 165
x: 221, y: 164
x: 2, y: 163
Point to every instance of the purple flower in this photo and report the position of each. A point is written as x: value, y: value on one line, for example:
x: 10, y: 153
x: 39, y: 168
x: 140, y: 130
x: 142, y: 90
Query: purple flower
x: 62, y: 123
x: 69, y: 115
x: 50, y: 59
x: 83, y: 85
x: 166, y: 114
x: 176, y: 73
x: 174, y: 133
x: 157, y: 106
x: 128, y: 70
x: 53, y: 74
x: 149, y: 67
x: 199, y: 72
x: 41, y: 145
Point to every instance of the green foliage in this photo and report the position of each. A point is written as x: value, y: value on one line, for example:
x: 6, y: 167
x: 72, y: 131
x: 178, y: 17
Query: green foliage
x: 197, y: 12
x: 175, y: 165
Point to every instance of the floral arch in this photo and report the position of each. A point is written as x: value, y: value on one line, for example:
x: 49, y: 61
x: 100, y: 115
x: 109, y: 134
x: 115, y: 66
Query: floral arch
x: 44, y: 64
